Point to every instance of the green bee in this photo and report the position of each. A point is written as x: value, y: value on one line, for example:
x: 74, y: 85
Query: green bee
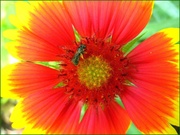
x: 79, y: 52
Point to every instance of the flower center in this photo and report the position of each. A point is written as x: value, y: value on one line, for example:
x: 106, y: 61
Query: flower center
x: 93, y: 72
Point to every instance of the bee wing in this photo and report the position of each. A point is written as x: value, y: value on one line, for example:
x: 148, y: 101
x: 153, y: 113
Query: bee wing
x: 75, y: 59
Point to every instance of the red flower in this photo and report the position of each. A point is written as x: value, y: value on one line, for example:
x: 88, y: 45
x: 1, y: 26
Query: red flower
x: 78, y: 97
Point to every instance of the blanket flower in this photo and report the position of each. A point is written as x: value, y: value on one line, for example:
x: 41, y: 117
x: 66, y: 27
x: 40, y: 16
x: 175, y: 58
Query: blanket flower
x: 86, y: 69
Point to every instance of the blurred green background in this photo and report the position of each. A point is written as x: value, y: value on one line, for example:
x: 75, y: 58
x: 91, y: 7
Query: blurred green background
x: 165, y: 14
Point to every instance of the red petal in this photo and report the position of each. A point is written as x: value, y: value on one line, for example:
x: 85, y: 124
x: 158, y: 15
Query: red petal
x: 79, y: 14
x: 26, y: 78
x: 148, y: 110
x: 32, y: 47
x: 67, y: 120
x: 155, y: 75
x: 134, y: 16
x: 50, y: 30
x: 158, y: 48
x: 123, y: 20
x: 42, y: 108
x: 154, y: 67
x: 110, y: 120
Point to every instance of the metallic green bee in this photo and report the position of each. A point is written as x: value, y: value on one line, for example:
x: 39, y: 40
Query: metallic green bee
x: 79, y: 52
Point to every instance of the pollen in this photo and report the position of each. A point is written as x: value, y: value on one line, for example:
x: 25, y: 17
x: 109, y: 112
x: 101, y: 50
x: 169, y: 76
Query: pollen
x: 94, y: 72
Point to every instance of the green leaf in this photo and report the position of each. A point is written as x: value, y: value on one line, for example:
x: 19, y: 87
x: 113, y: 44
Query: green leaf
x: 61, y: 84
x: 4, y: 100
x: 83, y: 111
x: 154, y: 27
x: 168, y: 8
x: 77, y: 35
x: 119, y: 101
x: 131, y: 45
x: 51, y: 64
x: 128, y: 83
x: 133, y: 130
